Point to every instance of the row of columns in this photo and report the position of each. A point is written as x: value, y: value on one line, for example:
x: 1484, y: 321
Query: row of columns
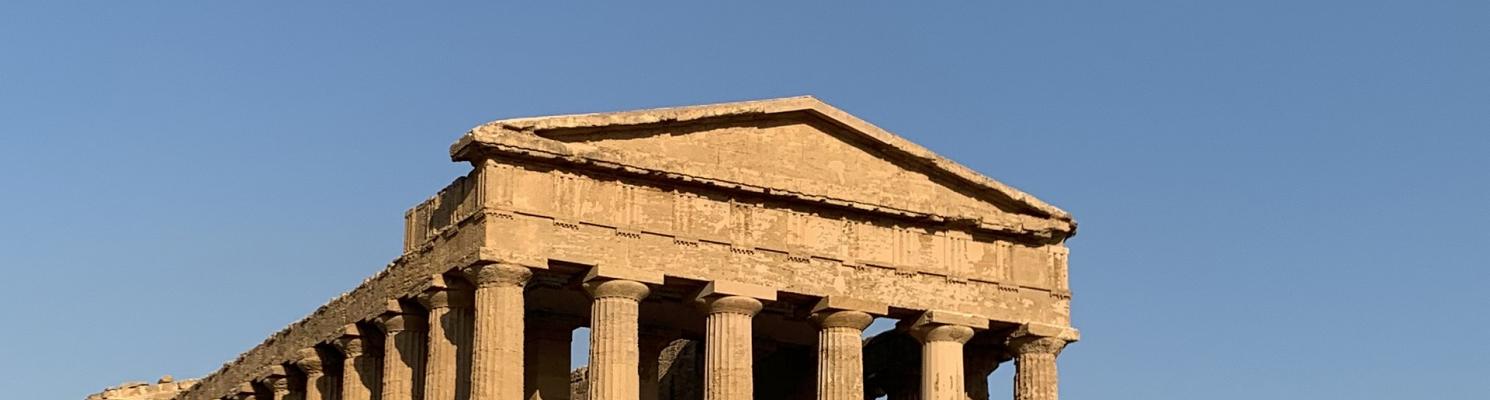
x: 494, y: 330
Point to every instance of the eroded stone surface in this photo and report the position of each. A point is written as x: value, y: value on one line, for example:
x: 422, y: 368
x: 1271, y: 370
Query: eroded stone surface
x: 729, y: 226
x: 163, y: 389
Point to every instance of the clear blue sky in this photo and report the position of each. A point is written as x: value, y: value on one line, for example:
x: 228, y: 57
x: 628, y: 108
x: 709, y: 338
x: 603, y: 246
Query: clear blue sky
x: 1278, y: 199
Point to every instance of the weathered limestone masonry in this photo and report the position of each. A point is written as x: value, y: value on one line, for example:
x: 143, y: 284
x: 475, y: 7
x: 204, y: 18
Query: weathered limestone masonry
x: 722, y: 252
x: 164, y: 389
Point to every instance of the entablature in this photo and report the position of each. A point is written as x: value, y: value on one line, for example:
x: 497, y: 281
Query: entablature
x: 795, y: 149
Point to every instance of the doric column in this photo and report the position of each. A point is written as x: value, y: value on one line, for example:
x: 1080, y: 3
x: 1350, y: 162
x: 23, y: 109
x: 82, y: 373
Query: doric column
x: 942, y: 335
x: 403, y: 352
x: 360, y: 366
x: 1035, y: 348
x: 728, y: 351
x: 277, y: 383
x: 497, y: 348
x: 446, y: 367
x: 317, y: 384
x: 840, y: 353
x: 546, y: 355
x: 614, y: 340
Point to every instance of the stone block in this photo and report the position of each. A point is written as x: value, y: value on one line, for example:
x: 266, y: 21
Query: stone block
x: 730, y: 288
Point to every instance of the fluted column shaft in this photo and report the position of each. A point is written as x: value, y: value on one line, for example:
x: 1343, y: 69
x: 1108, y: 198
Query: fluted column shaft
x: 360, y: 368
x: 1035, y: 376
x: 840, y: 354
x: 403, y: 355
x: 497, y: 348
x: 941, y: 360
x: 317, y: 384
x: 446, y: 367
x: 614, y: 339
x: 728, y: 353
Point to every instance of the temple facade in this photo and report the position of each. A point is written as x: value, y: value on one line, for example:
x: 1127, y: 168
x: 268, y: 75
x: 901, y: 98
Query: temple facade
x: 718, y: 252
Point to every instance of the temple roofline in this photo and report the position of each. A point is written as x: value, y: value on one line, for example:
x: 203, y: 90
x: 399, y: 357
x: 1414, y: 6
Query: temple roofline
x: 532, y: 131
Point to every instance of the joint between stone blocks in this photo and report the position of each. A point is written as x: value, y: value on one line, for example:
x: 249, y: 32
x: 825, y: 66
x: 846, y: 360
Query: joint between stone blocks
x: 493, y: 255
x: 842, y: 303
x: 394, y: 306
x: 1033, y: 329
x: 941, y: 317
x: 272, y: 372
x: 613, y: 272
x: 351, y: 330
x: 731, y: 288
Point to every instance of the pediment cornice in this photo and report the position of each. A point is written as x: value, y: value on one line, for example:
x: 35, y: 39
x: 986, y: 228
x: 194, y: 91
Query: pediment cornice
x: 531, y: 138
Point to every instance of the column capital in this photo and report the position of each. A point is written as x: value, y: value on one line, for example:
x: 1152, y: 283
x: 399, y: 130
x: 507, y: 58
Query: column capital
x: 350, y: 342
x: 734, y: 297
x: 272, y: 371
x: 397, y: 317
x: 933, y: 332
x: 1041, y: 339
x: 309, y: 362
x: 831, y: 318
x: 498, y: 274
x: 271, y: 376
x: 846, y: 312
x: 604, y: 281
x: 1036, y: 345
x: 279, y: 384
x: 393, y: 323
x: 446, y: 294
x: 748, y: 306
x: 629, y: 289
x: 942, y: 326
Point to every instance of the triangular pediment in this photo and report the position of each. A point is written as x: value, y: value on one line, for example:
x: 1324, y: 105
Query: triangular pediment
x: 798, y: 147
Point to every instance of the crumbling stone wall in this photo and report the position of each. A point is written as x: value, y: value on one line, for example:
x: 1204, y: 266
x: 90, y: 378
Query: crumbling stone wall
x: 680, y: 371
x: 579, y: 385
x: 164, y: 389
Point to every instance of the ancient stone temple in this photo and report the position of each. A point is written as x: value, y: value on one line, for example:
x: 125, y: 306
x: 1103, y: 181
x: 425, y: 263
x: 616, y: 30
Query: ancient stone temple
x: 719, y: 252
